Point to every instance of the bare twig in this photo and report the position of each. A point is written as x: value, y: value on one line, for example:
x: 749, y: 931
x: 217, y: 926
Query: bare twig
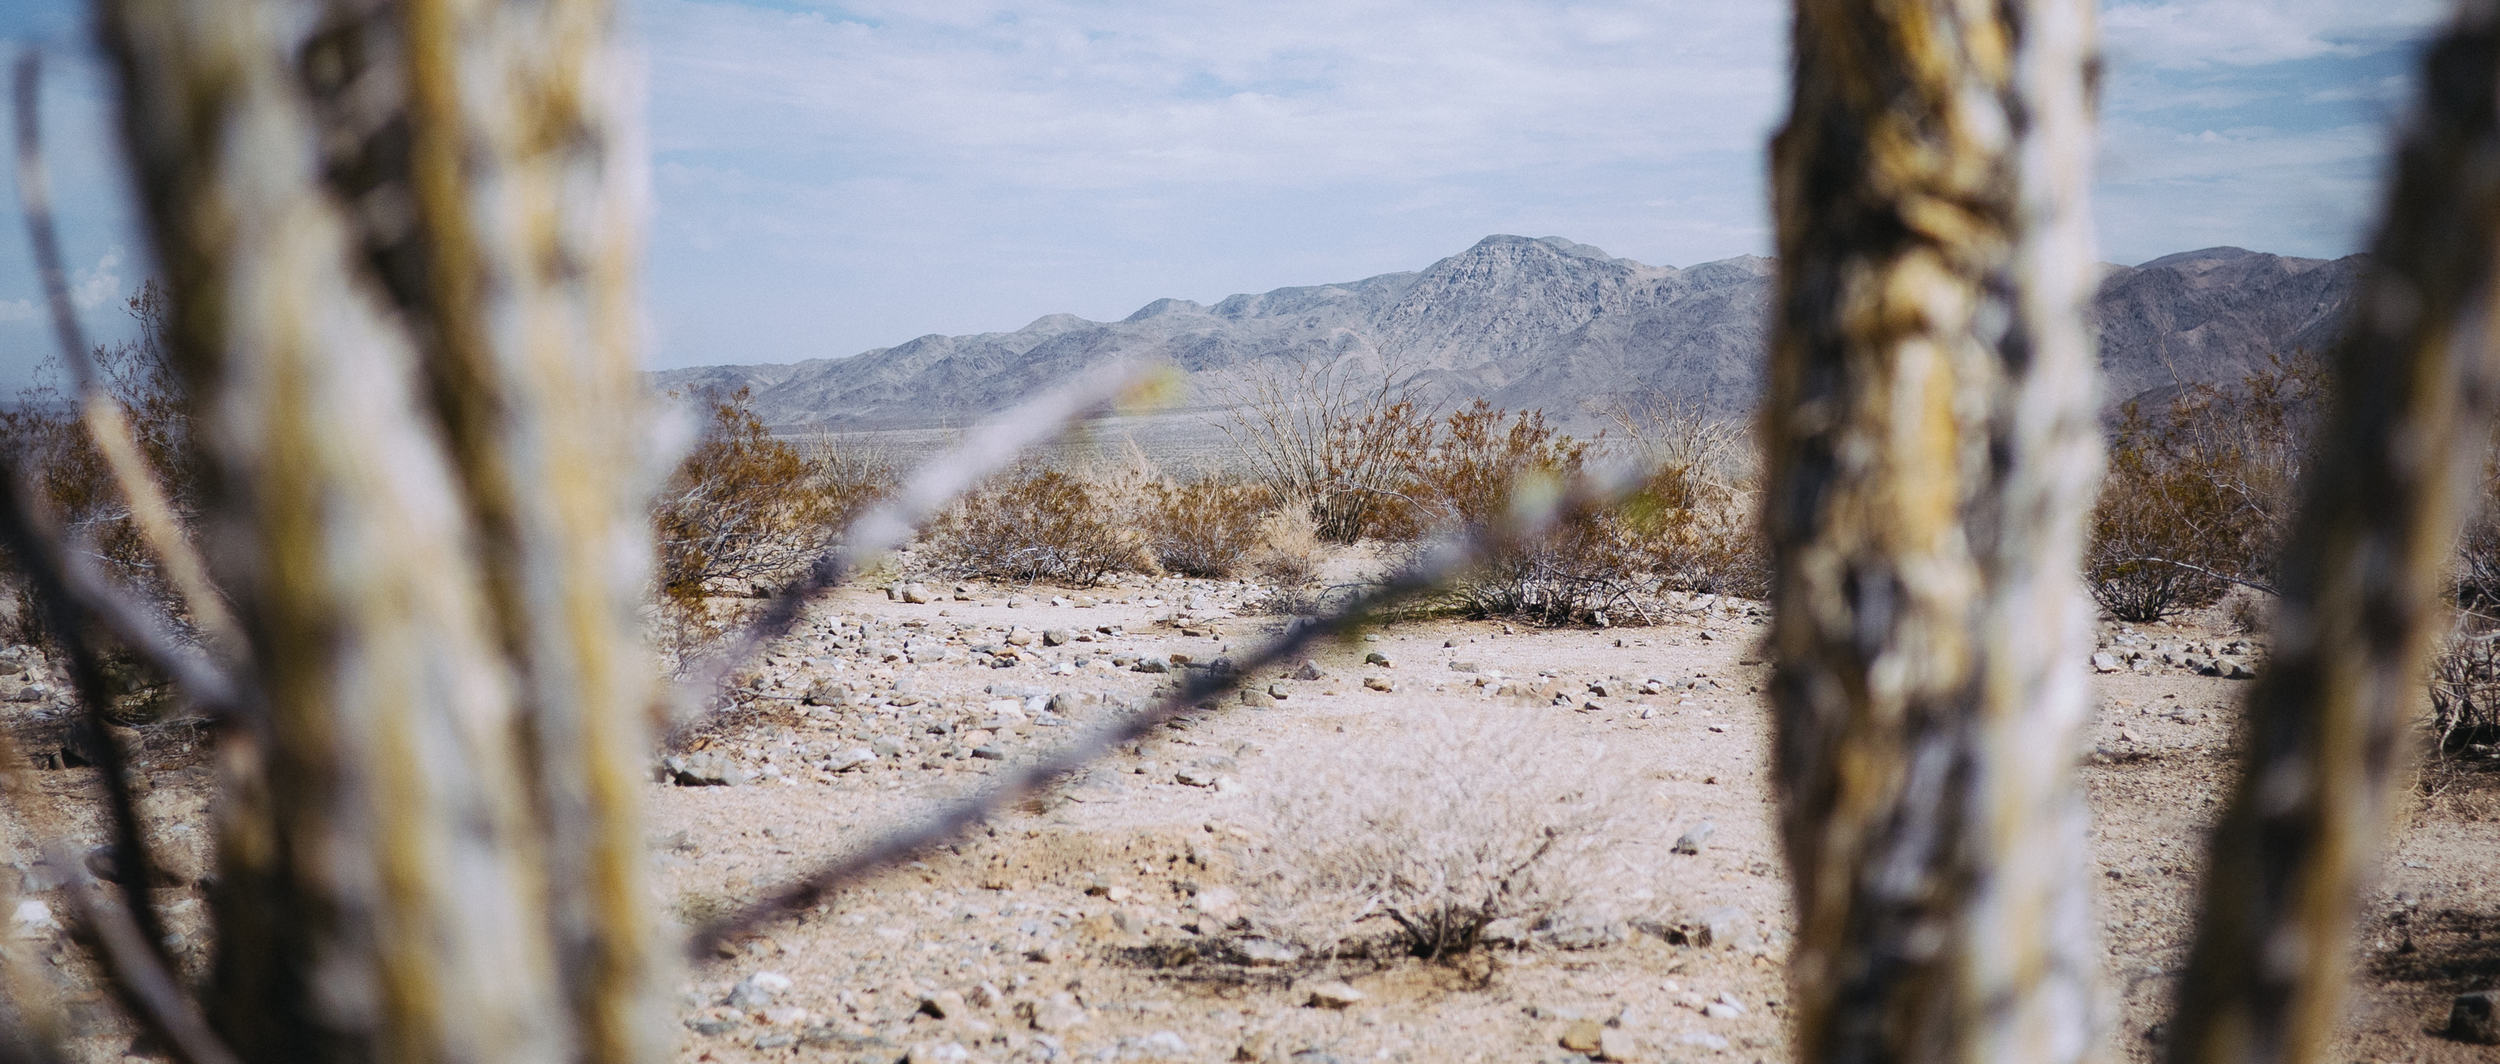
x: 990, y: 448
x: 1429, y: 571
x: 2147, y: 559
x: 147, y: 984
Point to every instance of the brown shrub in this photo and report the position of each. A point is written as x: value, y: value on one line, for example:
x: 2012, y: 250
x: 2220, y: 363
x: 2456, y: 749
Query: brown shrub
x: 1038, y: 524
x: 1208, y: 527
x: 44, y: 430
x: 2197, y: 498
x: 744, y: 506
x: 1335, y: 441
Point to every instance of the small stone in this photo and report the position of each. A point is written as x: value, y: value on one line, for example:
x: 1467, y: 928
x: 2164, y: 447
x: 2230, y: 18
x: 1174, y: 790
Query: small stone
x: 1019, y: 637
x: 2475, y: 1018
x: 702, y: 769
x: 1378, y: 683
x: 1582, y: 1036
x: 1279, y: 691
x: 757, y: 991
x: 1464, y: 666
x: 937, y: 1053
x: 826, y: 693
x: 1195, y: 777
x: 1056, y: 1014
x: 1725, y: 1007
x: 2105, y: 661
x: 1334, y: 995
x: 945, y: 1005
x: 1376, y: 658
x: 1053, y: 637
x: 989, y: 753
x: 1615, y: 1043
x: 916, y: 594
x: 1691, y: 841
x: 1309, y: 670
x: 1703, y: 1040
x: 1151, y: 664
x: 1260, y: 952
x: 1257, y: 699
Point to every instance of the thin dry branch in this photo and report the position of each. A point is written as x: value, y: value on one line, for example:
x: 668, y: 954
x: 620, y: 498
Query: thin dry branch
x: 1433, y: 568
x: 144, y: 980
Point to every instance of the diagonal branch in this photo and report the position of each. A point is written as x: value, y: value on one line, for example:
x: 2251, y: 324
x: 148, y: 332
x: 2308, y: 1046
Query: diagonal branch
x: 1437, y: 565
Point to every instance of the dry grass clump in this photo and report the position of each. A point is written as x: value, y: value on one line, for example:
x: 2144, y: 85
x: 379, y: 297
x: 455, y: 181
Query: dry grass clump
x: 1477, y: 816
x: 1039, y: 524
x: 1211, y: 526
x: 744, y: 506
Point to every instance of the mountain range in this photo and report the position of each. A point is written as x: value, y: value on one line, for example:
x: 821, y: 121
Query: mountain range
x: 1527, y: 323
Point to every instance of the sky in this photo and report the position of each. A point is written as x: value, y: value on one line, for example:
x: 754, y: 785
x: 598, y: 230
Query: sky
x: 829, y: 177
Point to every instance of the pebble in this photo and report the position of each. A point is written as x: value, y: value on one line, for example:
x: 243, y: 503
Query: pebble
x: 757, y: 991
x: 1691, y: 841
x: 706, y: 768
x: 1376, y: 658
x: 1582, y: 1036
x: 1378, y: 683
x: 1309, y: 670
x: 1334, y: 995
x: 1614, y: 1043
x: 1055, y: 1014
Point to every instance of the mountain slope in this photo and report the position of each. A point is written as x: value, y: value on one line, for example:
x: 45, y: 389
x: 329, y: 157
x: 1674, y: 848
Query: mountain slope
x: 1527, y: 323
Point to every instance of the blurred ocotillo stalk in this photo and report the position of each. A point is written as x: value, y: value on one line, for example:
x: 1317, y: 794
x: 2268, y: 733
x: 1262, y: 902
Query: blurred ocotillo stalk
x: 2384, y: 499
x: 400, y: 242
x: 1931, y: 454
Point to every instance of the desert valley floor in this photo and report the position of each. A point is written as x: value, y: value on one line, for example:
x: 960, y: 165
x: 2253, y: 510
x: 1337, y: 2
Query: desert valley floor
x: 1093, y: 924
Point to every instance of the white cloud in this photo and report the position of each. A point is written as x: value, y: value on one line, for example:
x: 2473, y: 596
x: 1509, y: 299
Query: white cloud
x: 2208, y: 33
x: 17, y: 310
x: 98, y: 284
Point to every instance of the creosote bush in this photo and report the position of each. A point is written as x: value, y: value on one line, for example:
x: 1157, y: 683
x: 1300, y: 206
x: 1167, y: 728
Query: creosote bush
x: 745, y: 506
x: 2198, y: 494
x: 1479, y: 814
x: 1039, y: 524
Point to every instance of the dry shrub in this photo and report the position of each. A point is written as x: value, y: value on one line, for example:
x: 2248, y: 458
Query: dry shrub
x: 1336, y: 437
x: 2465, y: 689
x: 1207, y: 527
x: 744, y: 506
x: 1477, y: 815
x: 2197, y: 497
x: 1479, y: 462
x: 1036, y: 524
x: 1694, y: 522
x: 44, y: 430
x: 1288, y: 550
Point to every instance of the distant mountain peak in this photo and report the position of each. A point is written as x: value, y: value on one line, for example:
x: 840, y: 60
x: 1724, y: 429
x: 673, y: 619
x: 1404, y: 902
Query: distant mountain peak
x: 1530, y: 322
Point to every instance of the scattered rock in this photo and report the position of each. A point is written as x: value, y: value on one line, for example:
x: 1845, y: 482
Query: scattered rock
x: 945, y: 1005
x: 937, y: 1053
x: 1055, y: 1014
x: 1309, y: 670
x: 2105, y: 661
x: 1053, y: 637
x: 917, y: 594
x: 1726, y: 1007
x: 1464, y: 666
x: 1691, y: 841
x: 1260, y: 952
x: 1151, y: 664
x: 2475, y: 1018
x: 1378, y: 683
x: 1581, y: 1036
x: 826, y: 693
x: 1376, y: 658
x: 1257, y: 699
x: 1615, y: 1043
x: 989, y: 753
x: 1334, y: 995
x: 757, y: 991
x: 702, y: 769
x: 1195, y: 777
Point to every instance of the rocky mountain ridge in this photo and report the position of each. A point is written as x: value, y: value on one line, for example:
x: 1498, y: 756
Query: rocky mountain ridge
x: 1525, y: 322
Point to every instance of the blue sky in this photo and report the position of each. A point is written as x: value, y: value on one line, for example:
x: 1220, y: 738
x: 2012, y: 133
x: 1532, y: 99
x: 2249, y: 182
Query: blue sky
x: 830, y: 177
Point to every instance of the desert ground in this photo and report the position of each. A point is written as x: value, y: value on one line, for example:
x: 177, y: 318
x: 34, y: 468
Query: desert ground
x: 1103, y: 922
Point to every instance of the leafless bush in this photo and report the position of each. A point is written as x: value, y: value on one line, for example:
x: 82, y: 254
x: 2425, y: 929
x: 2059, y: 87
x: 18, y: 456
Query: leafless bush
x: 1694, y: 522
x: 1210, y: 526
x: 1477, y: 462
x: 1478, y: 815
x: 2465, y: 688
x: 745, y: 506
x: 1038, y: 523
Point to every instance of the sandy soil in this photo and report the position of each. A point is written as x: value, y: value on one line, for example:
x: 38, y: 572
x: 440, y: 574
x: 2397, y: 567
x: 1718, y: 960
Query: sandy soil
x: 1087, y: 926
